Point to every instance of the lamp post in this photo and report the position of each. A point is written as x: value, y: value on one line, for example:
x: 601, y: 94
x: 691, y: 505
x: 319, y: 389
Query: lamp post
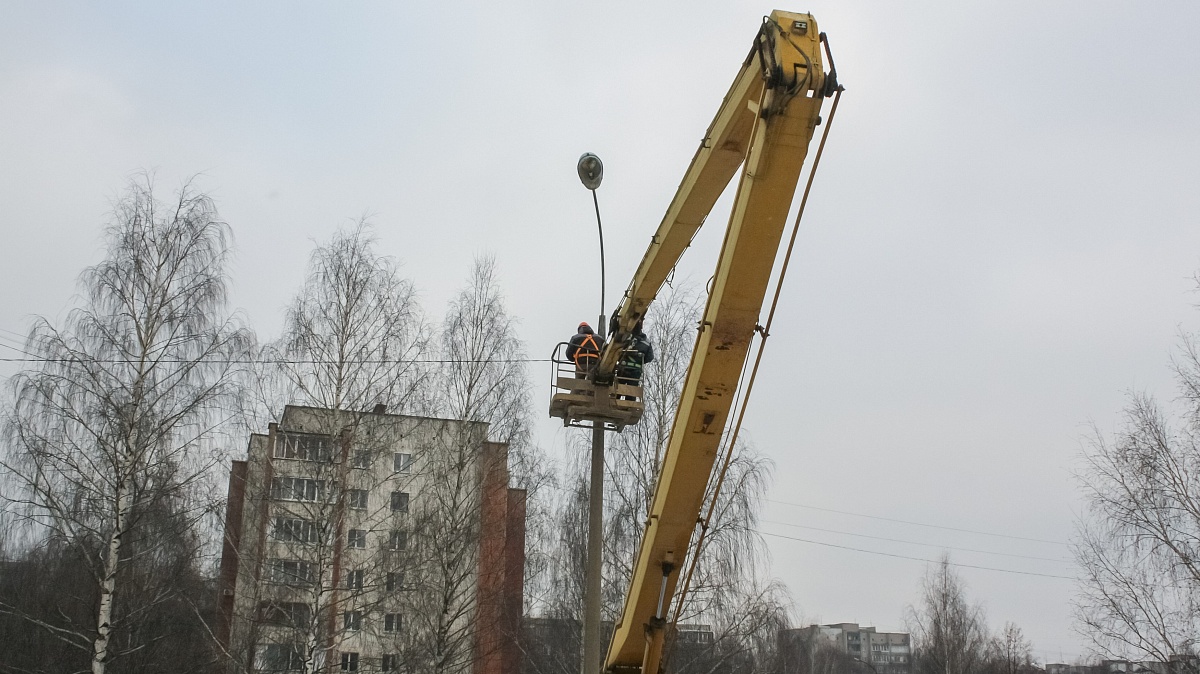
x: 591, y: 173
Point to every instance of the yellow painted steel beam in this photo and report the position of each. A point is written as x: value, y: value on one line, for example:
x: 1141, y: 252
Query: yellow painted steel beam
x: 713, y: 165
x: 771, y: 131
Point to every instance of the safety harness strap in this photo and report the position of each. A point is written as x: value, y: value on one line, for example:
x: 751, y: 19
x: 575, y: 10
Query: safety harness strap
x: 591, y: 351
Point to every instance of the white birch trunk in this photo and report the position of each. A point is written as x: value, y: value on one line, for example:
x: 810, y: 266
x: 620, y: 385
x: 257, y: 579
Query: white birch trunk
x: 311, y: 663
x: 109, y: 583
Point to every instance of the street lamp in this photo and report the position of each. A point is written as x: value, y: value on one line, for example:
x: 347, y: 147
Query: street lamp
x: 591, y: 172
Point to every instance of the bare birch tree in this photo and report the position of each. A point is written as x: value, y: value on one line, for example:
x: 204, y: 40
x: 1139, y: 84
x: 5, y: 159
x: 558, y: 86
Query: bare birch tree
x: 1138, y: 541
x: 1138, y: 544
x: 354, y: 336
x: 949, y: 634
x: 354, y: 343
x: 109, y: 433
x: 1009, y: 652
x: 482, y: 379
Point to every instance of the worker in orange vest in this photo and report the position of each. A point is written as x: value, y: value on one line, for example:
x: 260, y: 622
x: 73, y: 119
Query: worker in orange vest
x: 584, y: 349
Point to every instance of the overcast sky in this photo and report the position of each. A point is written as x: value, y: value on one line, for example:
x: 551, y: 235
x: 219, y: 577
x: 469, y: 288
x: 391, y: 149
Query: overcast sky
x: 999, y: 247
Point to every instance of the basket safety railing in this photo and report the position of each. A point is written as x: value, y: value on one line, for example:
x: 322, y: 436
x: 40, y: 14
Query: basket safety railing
x: 579, y: 401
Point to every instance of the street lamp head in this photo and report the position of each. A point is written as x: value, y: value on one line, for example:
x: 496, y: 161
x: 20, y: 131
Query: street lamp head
x: 591, y: 170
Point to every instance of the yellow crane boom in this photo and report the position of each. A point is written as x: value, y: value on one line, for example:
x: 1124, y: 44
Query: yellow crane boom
x: 765, y: 124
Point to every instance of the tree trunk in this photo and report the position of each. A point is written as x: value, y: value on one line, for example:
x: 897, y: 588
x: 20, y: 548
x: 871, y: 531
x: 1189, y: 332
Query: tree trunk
x: 109, y: 583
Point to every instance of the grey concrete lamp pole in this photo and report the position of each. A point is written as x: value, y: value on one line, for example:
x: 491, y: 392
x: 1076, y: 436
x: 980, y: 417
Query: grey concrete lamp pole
x: 591, y: 173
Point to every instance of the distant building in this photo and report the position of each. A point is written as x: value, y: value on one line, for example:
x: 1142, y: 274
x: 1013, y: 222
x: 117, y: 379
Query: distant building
x: 694, y: 635
x: 1062, y: 668
x: 348, y: 534
x: 884, y: 652
x: 1178, y: 664
x: 552, y: 645
x: 691, y: 648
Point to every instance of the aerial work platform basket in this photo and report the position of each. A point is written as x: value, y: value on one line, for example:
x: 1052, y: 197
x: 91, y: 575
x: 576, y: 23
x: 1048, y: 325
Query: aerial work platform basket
x: 578, y: 400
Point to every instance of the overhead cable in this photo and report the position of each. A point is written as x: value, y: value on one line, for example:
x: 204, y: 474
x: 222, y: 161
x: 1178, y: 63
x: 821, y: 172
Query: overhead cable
x: 920, y: 524
x: 917, y: 559
x: 930, y: 545
x: 32, y: 358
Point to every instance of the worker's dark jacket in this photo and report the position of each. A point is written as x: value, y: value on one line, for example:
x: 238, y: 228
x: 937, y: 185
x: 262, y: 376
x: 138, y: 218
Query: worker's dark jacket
x: 638, y: 354
x: 584, y: 348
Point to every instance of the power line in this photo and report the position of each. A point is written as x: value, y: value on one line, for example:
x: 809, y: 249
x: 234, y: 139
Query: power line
x: 895, y: 540
x: 921, y: 524
x: 15, y: 334
x: 17, y: 349
x: 931, y: 545
x: 885, y: 554
x: 34, y: 358
x: 266, y: 361
x: 274, y: 361
x: 916, y: 559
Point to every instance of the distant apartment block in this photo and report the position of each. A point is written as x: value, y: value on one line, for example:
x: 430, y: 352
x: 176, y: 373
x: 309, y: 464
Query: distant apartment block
x: 349, y: 536
x: 1176, y: 665
x: 554, y: 645
x: 885, y: 652
x: 1063, y: 668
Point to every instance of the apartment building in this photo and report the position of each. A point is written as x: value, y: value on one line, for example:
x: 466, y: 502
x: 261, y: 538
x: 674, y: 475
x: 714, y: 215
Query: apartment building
x: 372, y: 542
x: 885, y: 652
x: 1177, y: 664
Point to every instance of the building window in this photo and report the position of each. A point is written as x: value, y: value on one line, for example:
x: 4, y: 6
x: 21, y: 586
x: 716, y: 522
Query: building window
x: 391, y: 662
x: 400, y: 501
x: 356, y: 538
x: 395, y: 580
x: 391, y: 622
x: 401, y: 462
x: 354, y: 579
x: 398, y: 540
x: 360, y: 459
x: 357, y: 498
x: 288, y: 614
x: 349, y: 662
x: 352, y: 621
x: 694, y: 634
x: 278, y: 658
x: 297, y: 489
x: 293, y: 530
x: 290, y: 572
x: 302, y: 447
